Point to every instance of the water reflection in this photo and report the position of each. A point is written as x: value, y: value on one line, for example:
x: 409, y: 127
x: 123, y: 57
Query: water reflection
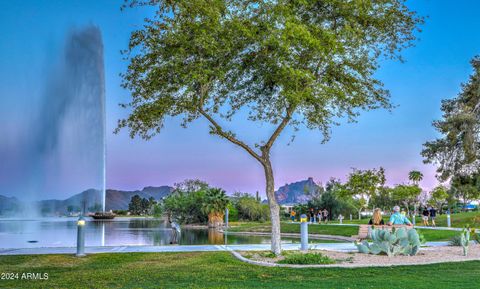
x: 61, y: 232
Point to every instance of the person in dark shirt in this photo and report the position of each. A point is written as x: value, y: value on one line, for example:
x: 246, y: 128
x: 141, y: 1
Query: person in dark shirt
x: 433, y: 214
x: 376, y: 218
x: 425, y: 215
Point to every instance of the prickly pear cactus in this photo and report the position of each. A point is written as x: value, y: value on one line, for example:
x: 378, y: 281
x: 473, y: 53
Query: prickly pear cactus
x: 397, y: 242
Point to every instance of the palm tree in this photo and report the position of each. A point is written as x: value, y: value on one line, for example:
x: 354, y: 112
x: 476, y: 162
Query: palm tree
x: 216, y: 201
x: 415, y: 177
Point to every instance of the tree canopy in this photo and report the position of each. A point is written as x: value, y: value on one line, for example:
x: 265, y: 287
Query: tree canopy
x: 415, y: 176
x: 457, y: 151
x: 302, y: 62
x: 362, y: 185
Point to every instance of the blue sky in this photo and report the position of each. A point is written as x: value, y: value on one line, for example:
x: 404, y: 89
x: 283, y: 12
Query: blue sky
x: 32, y: 34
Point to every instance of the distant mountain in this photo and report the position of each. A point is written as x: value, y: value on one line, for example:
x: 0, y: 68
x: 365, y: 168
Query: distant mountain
x: 119, y: 200
x: 90, y: 199
x: 296, y: 193
x: 8, y: 205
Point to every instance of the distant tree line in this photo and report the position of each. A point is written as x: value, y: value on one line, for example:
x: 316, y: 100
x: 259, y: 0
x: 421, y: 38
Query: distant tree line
x: 365, y: 190
x: 142, y: 206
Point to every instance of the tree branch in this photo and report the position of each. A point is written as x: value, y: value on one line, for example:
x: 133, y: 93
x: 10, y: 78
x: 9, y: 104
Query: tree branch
x: 219, y: 131
x: 279, y: 129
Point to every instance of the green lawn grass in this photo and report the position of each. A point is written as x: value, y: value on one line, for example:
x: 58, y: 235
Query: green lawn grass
x: 221, y: 270
x: 348, y: 231
x: 295, y: 228
x: 458, y: 220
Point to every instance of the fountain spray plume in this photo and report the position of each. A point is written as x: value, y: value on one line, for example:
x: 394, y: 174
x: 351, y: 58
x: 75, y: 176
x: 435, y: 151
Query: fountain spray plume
x: 69, y: 144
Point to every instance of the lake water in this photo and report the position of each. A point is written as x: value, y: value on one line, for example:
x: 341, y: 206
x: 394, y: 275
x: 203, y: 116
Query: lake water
x: 62, y: 232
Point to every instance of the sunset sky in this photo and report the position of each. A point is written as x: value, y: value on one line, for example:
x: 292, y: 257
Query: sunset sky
x: 32, y: 34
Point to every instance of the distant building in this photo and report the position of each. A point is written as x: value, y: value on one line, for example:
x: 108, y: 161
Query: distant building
x: 287, y: 207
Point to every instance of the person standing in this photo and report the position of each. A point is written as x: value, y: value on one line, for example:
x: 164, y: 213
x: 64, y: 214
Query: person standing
x: 325, y: 215
x: 433, y: 215
x: 319, y: 216
x: 292, y: 215
x: 425, y: 215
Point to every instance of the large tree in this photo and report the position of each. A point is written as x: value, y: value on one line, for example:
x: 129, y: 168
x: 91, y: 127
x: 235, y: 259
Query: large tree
x: 407, y: 194
x: 439, y: 197
x: 466, y: 188
x: 457, y: 151
x: 361, y: 186
x: 415, y: 177
x: 284, y: 62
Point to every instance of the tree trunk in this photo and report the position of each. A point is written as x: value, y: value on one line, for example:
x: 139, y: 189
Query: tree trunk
x: 274, y: 207
x: 360, y: 214
x: 215, y: 219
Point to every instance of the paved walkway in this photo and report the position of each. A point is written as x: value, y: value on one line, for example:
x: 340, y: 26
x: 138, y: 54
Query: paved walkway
x: 343, y: 247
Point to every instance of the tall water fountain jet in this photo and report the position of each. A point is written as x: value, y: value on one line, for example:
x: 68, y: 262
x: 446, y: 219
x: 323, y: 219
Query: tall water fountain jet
x: 69, y: 144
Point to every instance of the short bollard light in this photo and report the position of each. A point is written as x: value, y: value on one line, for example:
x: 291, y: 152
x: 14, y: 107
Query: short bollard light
x: 303, y: 232
x: 449, y: 221
x: 303, y: 218
x: 80, y: 237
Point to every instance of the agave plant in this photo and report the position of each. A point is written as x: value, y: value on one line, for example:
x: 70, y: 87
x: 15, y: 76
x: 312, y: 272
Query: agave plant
x: 397, y: 242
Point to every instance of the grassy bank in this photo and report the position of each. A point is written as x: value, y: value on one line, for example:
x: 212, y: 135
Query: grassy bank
x: 458, y: 220
x: 430, y: 235
x: 295, y: 228
x: 220, y: 270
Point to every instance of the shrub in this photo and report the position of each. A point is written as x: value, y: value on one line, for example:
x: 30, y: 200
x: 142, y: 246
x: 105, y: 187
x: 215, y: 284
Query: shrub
x: 186, y: 207
x: 306, y: 258
x: 455, y: 241
x: 397, y: 242
x: 250, y: 209
x: 232, y: 213
x: 120, y: 212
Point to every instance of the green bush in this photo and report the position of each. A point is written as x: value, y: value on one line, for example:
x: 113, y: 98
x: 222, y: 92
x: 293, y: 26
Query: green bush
x: 157, y: 210
x: 232, y: 213
x: 306, y: 258
x: 455, y: 241
x: 120, y: 212
x: 250, y: 208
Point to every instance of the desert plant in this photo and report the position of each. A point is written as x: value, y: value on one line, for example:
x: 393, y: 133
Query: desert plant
x: 465, y: 239
x: 422, y: 238
x: 397, y: 242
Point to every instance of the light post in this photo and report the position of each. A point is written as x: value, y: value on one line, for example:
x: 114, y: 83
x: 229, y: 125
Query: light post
x: 80, y: 237
x: 414, y: 213
x: 449, y: 222
x: 303, y: 232
x: 226, y: 218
